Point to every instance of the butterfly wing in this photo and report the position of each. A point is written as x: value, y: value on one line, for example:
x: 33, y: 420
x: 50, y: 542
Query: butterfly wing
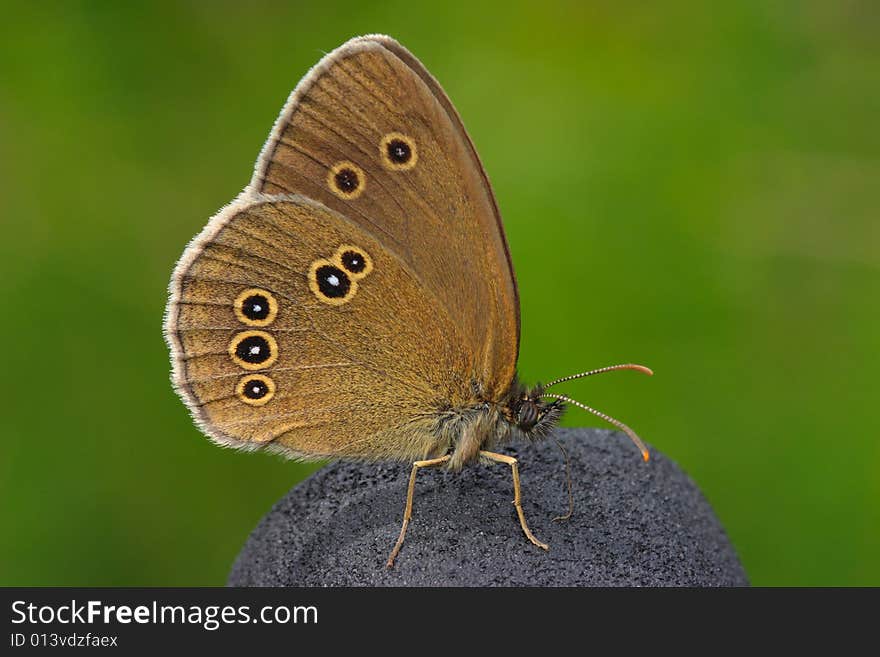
x: 370, y: 133
x: 294, y: 329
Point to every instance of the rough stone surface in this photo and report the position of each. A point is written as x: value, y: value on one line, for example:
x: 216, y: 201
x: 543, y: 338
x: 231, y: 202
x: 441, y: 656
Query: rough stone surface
x: 634, y: 524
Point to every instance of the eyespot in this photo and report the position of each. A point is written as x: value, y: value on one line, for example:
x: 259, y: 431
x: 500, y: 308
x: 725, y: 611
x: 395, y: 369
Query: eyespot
x: 330, y: 283
x: 255, y: 389
x: 253, y: 350
x: 397, y: 151
x: 354, y: 260
x: 256, y: 307
x: 346, y: 180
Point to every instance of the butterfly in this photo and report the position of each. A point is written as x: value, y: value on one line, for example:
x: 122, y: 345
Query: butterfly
x: 357, y: 299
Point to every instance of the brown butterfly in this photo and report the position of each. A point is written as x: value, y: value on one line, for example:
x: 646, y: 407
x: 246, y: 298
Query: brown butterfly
x: 357, y: 299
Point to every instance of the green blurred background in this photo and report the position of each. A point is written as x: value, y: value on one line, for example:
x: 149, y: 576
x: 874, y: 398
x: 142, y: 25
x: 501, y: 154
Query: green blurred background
x: 702, y: 178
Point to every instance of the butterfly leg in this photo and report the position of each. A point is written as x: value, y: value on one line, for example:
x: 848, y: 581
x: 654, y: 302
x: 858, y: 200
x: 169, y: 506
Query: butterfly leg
x: 407, y: 514
x: 512, y: 462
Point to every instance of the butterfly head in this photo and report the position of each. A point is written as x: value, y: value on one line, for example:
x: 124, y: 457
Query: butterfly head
x: 534, y: 416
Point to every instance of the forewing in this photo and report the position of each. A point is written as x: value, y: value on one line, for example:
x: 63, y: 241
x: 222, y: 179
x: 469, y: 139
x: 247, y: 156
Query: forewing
x: 433, y: 206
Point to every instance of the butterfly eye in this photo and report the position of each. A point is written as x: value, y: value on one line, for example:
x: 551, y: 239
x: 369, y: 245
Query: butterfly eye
x: 256, y: 307
x: 354, y: 261
x: 346, y: 180
x: 253, y: 350
x: 398, y: 151
x: 330, y: 283
x: 255, y: 389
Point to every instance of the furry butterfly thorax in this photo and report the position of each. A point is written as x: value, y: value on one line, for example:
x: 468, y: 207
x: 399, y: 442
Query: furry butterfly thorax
x: 357, y: 299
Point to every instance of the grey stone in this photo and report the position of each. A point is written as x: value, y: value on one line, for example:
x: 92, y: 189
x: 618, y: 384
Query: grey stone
x: 634, y: 524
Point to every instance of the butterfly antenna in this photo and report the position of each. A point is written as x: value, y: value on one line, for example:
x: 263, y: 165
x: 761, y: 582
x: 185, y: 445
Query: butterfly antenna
x: 611, y: 368
x: 617, y: 423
